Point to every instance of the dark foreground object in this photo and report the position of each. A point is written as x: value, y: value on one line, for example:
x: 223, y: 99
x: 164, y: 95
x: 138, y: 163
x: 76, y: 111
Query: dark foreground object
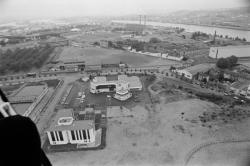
x: 20, y: 143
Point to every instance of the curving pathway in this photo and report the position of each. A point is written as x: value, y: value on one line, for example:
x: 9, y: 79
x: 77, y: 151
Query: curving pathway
x: 201, y: 147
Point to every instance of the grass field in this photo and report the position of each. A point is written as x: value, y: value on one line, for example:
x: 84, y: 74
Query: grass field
x: 95, y: 55
x: 97, y: 36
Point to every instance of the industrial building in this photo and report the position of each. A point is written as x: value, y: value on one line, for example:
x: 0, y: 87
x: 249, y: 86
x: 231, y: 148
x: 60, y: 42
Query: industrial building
x: 71, y: 65
x: 27, y: 98
x: 224, y: 52
x: 66, y: 130
x: 111, y: 83
x: 190, y: 72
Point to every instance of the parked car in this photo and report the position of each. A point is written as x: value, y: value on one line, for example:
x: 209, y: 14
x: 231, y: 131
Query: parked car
x: 236, y: 98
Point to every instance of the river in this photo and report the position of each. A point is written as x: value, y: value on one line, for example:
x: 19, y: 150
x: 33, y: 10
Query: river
x: 194, y: 28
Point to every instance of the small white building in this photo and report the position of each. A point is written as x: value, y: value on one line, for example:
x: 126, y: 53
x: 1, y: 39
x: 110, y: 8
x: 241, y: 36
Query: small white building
x: 227, y: 51
x: 66, y: 130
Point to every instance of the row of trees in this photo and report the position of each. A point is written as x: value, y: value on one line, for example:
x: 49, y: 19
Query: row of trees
x: 199, y: 34
x: 227, y: 63
x: 24, y: 59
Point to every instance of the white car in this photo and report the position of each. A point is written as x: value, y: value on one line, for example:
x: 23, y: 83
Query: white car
x: 236, y: 98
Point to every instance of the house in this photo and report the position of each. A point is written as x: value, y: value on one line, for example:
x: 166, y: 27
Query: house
x: 190, y: 72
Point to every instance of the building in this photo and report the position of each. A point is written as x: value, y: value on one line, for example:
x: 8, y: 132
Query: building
x: 26, y: 95
x: 190, y: 72
x: 194, y: 52
x: 111, y: 83
x: 110, y: 63
x: 56, y: 43
x: 66, y: 130
x: 224, y: 52
x: 93, y: 67
x: 75, y: 30
x: 135, y: 28
x: 122, y: 91
x: 104, y: 43
x: 71, y: 65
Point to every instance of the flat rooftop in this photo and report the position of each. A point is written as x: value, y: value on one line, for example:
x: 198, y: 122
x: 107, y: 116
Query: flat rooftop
x: 76, y: 125
x: 199, y: 68
x: 133, y: 81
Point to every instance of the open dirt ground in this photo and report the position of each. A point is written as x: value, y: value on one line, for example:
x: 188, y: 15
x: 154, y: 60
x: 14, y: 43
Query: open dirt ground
x: 155, y: 135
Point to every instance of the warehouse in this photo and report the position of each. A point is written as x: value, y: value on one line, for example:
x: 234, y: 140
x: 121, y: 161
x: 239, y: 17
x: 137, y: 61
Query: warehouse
x: 224, y: 52
x: 190, y: 72
x: 71, y: 65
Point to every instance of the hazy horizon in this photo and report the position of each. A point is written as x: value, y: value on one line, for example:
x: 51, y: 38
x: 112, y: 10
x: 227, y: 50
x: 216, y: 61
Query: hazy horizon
x: 32, y: 9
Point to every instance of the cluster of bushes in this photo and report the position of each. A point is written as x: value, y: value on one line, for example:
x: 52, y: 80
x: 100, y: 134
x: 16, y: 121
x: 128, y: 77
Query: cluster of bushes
x: 210, y: 97
x: 154, y: 40
x: 226, y: 63
x: 24, y: 59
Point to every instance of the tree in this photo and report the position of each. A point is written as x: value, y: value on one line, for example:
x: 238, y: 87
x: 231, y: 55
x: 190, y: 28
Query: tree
x: 223, y: 63
x: 233, y: 60
x: 96, y: 43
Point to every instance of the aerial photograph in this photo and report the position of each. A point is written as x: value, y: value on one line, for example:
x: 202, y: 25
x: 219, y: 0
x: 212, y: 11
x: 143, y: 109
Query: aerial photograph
x: 125, y: 82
